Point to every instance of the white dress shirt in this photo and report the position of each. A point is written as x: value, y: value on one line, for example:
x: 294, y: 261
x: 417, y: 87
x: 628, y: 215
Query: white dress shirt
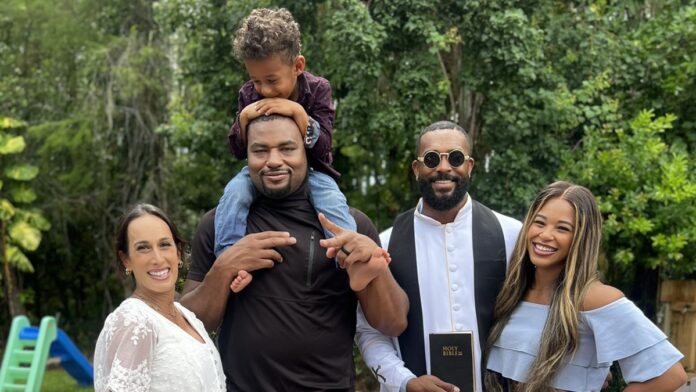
x: 445, y: 264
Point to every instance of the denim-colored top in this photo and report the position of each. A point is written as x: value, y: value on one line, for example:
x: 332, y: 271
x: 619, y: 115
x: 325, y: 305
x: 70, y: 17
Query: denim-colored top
x: 615, y: 332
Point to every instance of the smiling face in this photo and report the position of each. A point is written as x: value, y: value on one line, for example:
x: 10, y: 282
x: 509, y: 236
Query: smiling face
x: 550, y: 234
x: 274, y: 77
x: 152, y: 255
x: 443, y: 187
x: 276, y: 156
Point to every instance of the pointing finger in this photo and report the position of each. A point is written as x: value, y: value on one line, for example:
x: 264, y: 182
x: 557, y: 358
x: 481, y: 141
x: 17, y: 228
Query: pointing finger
x: 330, y: 226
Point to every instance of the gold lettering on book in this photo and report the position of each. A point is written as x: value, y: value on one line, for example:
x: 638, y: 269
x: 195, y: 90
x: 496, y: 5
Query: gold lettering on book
x: 451, y: 351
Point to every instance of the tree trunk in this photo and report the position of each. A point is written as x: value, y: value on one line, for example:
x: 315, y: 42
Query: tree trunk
x: 464, y: 103
x: 10, y: 277
x: 469, y: 113
x: 12, y: 291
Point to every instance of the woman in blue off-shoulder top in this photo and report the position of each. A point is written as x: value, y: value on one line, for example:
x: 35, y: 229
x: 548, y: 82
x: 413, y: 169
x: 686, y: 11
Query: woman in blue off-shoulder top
x: 557, y: 327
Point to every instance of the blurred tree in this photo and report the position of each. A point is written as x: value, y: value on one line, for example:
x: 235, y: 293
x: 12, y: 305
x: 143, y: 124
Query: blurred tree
x: 92, y: 80
x: 647, y: 191
x: 20, y: 227
x: 131, y: 101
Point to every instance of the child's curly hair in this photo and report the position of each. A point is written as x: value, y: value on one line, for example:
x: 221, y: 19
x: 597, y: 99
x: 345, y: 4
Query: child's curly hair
x: 266, y: 32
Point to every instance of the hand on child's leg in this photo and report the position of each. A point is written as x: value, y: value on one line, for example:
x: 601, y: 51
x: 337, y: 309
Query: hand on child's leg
x: 241, y: 281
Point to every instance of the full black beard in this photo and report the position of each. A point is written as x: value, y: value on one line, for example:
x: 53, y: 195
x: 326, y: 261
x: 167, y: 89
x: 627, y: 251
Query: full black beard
x: 444, y: 203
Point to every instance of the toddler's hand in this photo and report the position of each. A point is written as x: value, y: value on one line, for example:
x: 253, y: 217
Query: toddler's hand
x: 284, y: 107
x: 245, y: 116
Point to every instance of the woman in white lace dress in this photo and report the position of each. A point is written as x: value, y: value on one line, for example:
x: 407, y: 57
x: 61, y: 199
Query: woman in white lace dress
x: 150, y: 342
x: 557, y: 327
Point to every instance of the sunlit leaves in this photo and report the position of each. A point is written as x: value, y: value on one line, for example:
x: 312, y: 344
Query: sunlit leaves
x: 8, y: 122
x: 18, y: 259
x: 25, y: 235
x: 22, y: 193
x: 11, y: 145
x: 21, y: 172
x: 21, y: 227
x: 646, y: 190
x: 7, y: 210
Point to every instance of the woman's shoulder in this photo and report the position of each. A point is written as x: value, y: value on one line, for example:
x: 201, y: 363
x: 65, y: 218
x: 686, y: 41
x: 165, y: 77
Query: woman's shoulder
x: 131, y: 312
x: 599, y: 295
x: 130, y: 321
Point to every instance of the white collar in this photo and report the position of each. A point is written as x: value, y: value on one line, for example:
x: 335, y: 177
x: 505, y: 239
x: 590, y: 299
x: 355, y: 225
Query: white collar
x: 463, y: 213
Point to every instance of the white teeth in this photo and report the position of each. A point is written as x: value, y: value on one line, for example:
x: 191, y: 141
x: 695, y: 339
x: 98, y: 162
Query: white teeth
x: 159, y: 273
x: 543, y: 248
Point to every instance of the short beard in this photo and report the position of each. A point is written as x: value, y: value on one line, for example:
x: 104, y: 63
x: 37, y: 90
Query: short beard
x: 277, y: 193
x: 444, y: 203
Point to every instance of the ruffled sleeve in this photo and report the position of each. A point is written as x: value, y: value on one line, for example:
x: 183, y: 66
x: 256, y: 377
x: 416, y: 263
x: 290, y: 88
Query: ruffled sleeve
x: 124, y: 352
x: 623, y: 333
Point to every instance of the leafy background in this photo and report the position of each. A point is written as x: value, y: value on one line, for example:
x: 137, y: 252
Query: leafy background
x: 104, y: 104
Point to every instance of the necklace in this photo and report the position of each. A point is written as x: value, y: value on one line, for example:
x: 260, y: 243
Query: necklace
x: 170, y: 315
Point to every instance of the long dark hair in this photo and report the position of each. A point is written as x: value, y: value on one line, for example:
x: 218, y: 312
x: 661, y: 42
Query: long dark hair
x: 560, y: 335
x: 121, y: 243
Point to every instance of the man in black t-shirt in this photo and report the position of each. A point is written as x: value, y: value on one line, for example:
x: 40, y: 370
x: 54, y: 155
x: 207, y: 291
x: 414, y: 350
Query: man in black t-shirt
x: 292, y: 328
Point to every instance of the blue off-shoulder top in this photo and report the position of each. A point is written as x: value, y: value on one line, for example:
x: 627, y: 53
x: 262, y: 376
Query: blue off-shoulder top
x: 618, y: 331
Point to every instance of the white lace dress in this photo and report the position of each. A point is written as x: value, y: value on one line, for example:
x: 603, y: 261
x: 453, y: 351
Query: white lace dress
x: 140, y: 350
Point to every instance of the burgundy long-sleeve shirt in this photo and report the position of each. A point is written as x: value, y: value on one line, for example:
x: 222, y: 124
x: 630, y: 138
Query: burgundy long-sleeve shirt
x: 315, y: 97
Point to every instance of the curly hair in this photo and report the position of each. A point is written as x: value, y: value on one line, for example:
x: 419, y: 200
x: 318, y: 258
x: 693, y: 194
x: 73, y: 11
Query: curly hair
x: 266, y: 32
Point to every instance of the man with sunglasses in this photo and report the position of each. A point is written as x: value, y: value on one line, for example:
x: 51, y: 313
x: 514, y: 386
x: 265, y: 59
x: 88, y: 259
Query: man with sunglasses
x: 450, y: 256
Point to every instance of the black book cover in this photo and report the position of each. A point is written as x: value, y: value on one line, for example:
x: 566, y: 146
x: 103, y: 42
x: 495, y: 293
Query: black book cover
x: 452, y: 359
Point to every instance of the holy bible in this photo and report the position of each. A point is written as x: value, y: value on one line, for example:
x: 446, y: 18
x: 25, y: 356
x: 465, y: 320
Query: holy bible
x: 452, y: 359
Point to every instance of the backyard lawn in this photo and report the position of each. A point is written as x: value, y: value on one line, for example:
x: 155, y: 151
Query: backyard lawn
x: 57, y: 380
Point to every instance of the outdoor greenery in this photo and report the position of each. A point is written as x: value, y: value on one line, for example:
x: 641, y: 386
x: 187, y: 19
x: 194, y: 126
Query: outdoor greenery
x: 57, y: 380
x: 103, y: 104
x: 20, y: 228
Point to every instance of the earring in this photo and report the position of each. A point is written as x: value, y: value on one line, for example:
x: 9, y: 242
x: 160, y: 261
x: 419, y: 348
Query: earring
x: 416, y: 176
x: 128, y: 272
x: 181, y: 263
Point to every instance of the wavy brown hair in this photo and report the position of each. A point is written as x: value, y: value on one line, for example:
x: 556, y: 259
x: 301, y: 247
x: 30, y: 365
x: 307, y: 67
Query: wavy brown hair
x: 560, y: 335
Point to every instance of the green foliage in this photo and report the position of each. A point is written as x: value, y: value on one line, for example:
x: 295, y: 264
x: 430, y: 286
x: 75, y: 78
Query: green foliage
x: 511, y: 72
x: 646, y: 190
x: 93, y: 81
x: 129, y: 101
x: 12, y: 145
x: 25, y: 235
x: 204, y: 100
x: 20, y: 227
x: 666, y: 68
x: 21, y: 172
x: 7, y: 210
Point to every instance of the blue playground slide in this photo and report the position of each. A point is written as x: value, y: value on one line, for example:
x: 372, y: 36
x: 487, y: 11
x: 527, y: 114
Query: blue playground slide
x: 71, y: 359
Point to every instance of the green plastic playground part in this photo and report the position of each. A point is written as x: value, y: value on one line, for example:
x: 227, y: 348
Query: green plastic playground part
x: 24, y: 362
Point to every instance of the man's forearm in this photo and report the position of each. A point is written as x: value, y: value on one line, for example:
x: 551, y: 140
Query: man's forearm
x: 380, y: 355
x: 385, y: 304
x: 207, y: 299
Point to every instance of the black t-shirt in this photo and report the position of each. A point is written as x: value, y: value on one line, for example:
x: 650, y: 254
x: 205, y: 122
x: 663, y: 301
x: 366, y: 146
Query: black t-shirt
x: 292, y: 328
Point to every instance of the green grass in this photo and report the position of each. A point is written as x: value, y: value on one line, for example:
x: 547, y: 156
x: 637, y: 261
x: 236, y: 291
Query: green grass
x: 57, y: 380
